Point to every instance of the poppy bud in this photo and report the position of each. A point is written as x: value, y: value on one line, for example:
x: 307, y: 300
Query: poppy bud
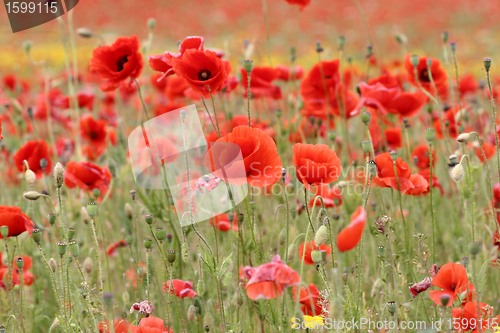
x: 171, y: 255
x: 85, y: 215
x: 148, y: 243
x: 53, y: 265
x: 92, y: 209
x: 112, y: 167
x: 366, y: 117
x: 316, y: 256
x: 61, y: 248
x: 129, y: 212
x: 151, y: 23
x: 32, y: 195
x: 430, y: 134
x: 248, y: 65
x: 88, y: 265
x: 71, y: 233
x: 200, y: 287
x: 20, y: 263
x: 453, y: 159
x: 129, y: 239
x: 444, y: 36
x: 149, y: 219
x: 191, y: 313
x: 415, y: 60
x: 445, y: 299
x: 52, y: 218
x: 391, y: 307
x: 463, y: 137
x: 429, y: 62
x: 107, y: 299
x: 366, y: 145
x: 282, y: 237
x: 185, y: 252
x: 457, y: 172
x: 96, y: 192
x: 132, y: 194
x: 465, y: 261
x: 487, y: 63
x: 291, y: 251
x: 4, y: 231
x: 74, y: 248
x: 30, y: 177
x: 474, y: 248
x: 372, y: 167
x: 321, y: 235
x: 160, y: 233
x: 394, y: 155
x: 59, y: 175
x: 36, y: 234
x: 84, y: 32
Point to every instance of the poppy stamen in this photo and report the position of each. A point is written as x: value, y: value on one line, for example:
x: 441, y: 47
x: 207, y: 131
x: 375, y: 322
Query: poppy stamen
x: 424, y: 76
x: 120, y: 62
x: 204, y: 75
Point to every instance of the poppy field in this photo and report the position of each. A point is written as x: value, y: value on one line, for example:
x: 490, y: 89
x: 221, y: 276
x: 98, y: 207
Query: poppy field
x: 265, y: 166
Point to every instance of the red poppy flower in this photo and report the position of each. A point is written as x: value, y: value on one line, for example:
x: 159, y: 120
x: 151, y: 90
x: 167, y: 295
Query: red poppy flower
x: 420, y: 287
x: 350, y: 236
x: 435, y: 182
x: 421, y: 157
x: 376, y: 96
x: 182, y: 288
x: 1, y: 137
x: 222, y: 222
x: 467, y: 84
x: 313, y: 86
x: 85, y: 100
x: 450, y: 124
x: 387, y: 80
x: 163, y: 63
x: 151, y: 325
x: 466, y: 318
x: 301, y: 3
x: 393, y: 137
x: 87, y: 176
x: 94, y: 131
x: 310, y: 299
x: 332, y: 197
x: 121, y: 326
x: 117, y: 62
x: 407, y: 104
x: 111, y: 250
x: 268, y: 280
x: 261, y: 79
x: 311, y: 245
x: 420, y: 185
x: 316, y: 164
x: 285, y: 75
x: 439, y: 76
x: 452, y: 278
x: 386, y: 175
x: 33, y: 152
x: 489, y: 151
x: 260, y: 158
x: 16, y: 220
x: 200, y: 69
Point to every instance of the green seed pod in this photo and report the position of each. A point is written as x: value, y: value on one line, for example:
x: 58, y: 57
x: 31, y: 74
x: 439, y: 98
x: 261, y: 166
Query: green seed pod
x: 465, y: 261
x: 445, y: 299
x: 415, y: 60
x: 366, y: 145
x: 20, y: 263
x: 59, y: 175
x: 96, y: 192
x: 27, y: 48
x: 160, y: 233
x: 430, y: 134
x: 149, y: 219
x: 71, y: 233
x: 474, y: 248
x: 248, y: 65
x: 43, y: 163
x: 36, y: 234
x: 148, y: 243
x: 487, y: 63
x: 381, y: 251
x: 129, y: 239
x: 61, y: 248
x: 391, y: 307
x: 4, y: 231
x: 53, y: 265
x: 3, y: 329
x: 316, y: 256
x: 444, y: 36
x: 74, y: 248
x: 171, y: 255
x: 92, y: 209
x: 366, y: 117
x: 185, y: 252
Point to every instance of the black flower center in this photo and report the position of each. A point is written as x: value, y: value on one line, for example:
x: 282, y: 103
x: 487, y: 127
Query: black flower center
x: 204, y: 75
x: 424, y: 76
x: 452, y: 287
x: 120, y: 62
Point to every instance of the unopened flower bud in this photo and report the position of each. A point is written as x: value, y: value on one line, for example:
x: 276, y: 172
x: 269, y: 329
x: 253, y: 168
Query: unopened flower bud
x: 332, y: 135
x: 59, y: 175
x: 321, y: 235
x: 88, y: 265
x: 474, y: 248
x: 462, y: 138
x: 191, y: 313
x: 240, y: 298
x: 291, y: 251
x: 36, y: 235
x: 185, y: 252
x: 200, y: 287
x: 27, y: 45
x: 457, y: 172
x: 32, y: 195
x: 84, y: 32
x: 53, y: 265
x: 30, y: 177
x: 282, y: 237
